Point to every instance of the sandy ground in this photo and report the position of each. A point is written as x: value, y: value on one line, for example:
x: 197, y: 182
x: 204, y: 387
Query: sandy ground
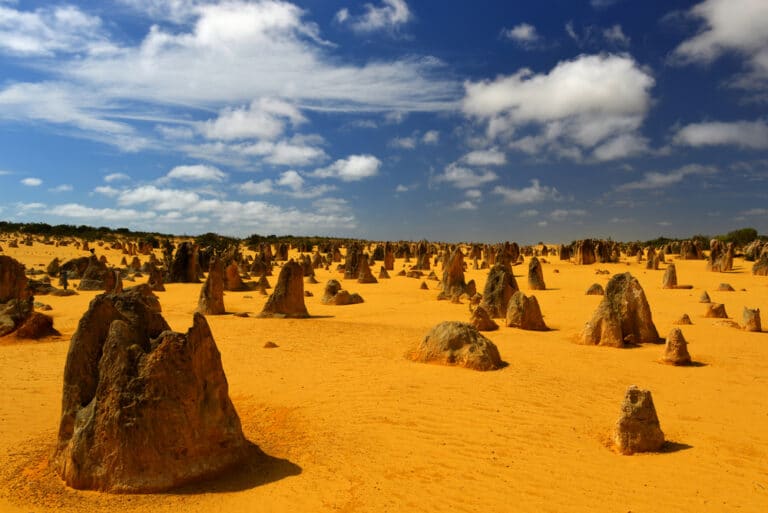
x: 347, y: 424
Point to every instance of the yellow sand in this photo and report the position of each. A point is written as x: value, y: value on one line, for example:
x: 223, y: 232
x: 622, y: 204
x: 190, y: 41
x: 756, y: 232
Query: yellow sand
x: 349, y: 425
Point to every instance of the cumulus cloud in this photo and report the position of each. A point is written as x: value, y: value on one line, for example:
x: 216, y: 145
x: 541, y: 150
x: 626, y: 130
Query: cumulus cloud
x: 535, y: 193
x: 431, y: 137
x: 656, y: 180
x: 579, y: 106
x: 263, y: 119
x: 560, y: 215
x: 65, y: 187
x: 76, y: 210
x: 196, y: 173
x: 256, y: 188
x: 491, y: 157
x: 49, y: 31
x: 465, y: 178
x: 523, y: 34
x: 31, y: 182
x: 465, y: 205
x: 745, y: 134
x: 739, y: 26
x: 351, y: 169
x: 389, y: 15
x: 116, y: 177
x: 106, y: 190
x: 404, y: 143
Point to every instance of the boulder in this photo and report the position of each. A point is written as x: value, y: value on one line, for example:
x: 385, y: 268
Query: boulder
x: 144, y: 409
x: 523, y: 312
x: 676, y: 349
x: 457, y: 343
x: 638, y: 429
x: 335, y: 295
x: 481, y: 320
x: 622, y: 317
x: 595, y: 290
x: 36, y: 326
x: 287, y: 299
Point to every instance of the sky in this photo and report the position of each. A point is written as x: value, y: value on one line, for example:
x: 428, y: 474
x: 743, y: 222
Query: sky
x: 491, y: 120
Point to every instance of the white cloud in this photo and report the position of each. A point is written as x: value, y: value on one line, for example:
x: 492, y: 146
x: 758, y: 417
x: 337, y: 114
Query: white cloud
x: 464, y: 178
x: 755, y: 212
x: 50, y: 30
x: 531, y: 212
x: 106, y: 190
x: 739, y: 26
x: 431, y: 137
x: 176, y: 11
x: 78, y: 211
x: 523, y: 34
x: 473, y: 194
x: 390, y: 15
x: 62, y: 188
x: 195, y: 173
x: 580, y: 105
x: 616, y: 35
x: 491, y: 157
x: 656, y: 180
x: 405, y: 143
x: 465, y: 205
x: 745, y: 134
x: 351, y: 169
x: 175, y: 133
x: 402, y: 188
x: 291, y: 179
x: 331, y: 205
x: 256, y: 188
x: 116, y: 177
x: 534, y: 193
x: 237, y: 51
x: 560, y: 215
x: 160, y: 199
x: 31, y: 182
x: 263, y: 119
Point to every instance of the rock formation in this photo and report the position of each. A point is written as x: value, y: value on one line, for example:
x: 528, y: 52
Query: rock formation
x: 595, y: 290
x: 156, y: 280
x: 211, y: 301
x: 716, y: 311
x: 499, y: 287
x: 335, y: 295
x: 364, y: 274
x: 622, y: 317
x: 184, y: 268
x: 669, y: 281
x: 750, y: 319
x: 676, y: 349
x: 638, y: 429
x: 704, y: 298
x: 457, y: 343
x: 383, y: 274
x: 36, y: 326
x: 144, y: 409
x: 96, y: 276
x: 453, y: 283
x: 287, y: 299
x: 760, y: 267
x: 584, y: 252
x: 524, y: 312
x: 482, y: 321
x: 683, y: 320
x: 232, y: 279
x: 535, y: 275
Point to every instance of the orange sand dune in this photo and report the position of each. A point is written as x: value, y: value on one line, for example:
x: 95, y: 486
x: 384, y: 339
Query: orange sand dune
x: 347, y: 424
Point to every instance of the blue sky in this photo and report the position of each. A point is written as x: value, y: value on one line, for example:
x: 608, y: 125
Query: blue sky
x: 389, y: 119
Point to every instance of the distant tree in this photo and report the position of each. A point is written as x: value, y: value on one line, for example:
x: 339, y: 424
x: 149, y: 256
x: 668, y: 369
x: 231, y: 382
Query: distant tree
x: 740, y: 237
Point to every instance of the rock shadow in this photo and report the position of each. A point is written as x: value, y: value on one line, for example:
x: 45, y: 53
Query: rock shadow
x: 670, y: 447
x: 257, y: 469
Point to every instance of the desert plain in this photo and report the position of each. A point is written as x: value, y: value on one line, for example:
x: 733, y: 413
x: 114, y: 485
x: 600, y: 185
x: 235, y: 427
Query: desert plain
x: 344, y: 422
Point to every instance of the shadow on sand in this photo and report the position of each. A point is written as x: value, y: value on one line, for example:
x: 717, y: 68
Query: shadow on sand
x: 257, y: 469
x: 670, y: 447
